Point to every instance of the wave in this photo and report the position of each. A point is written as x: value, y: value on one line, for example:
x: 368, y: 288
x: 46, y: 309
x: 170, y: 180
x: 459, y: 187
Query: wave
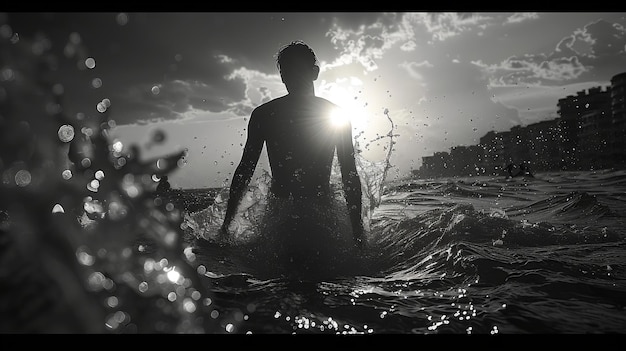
x: 432, y: 244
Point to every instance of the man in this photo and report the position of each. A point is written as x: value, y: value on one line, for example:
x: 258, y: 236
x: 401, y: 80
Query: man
x: 301, y: 139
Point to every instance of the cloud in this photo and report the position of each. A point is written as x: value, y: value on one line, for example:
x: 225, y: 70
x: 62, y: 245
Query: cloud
x: 259, y: 87
x: 606, y: 39
x: 521, y: 17
x: 445, y: 25
x: 598, y: 47
x: 369, y: 43
x: 413, y: 69
x: 170, y: 100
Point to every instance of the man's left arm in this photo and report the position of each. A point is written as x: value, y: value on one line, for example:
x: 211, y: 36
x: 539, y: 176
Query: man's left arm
x: 351, y: 182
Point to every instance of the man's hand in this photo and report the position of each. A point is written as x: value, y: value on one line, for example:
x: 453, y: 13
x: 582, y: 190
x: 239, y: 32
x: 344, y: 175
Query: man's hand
x: 222, y: 234
x: 359, y: 242
x: 359, y: 235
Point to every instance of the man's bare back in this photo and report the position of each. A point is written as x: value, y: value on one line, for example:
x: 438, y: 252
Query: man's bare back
x: 301, y: 140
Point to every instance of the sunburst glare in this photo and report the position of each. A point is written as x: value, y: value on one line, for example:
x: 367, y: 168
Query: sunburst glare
x: 351, y: 109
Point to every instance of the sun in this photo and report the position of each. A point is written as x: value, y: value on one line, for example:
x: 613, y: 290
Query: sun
x: 339, y: 117
x: 348, y: 112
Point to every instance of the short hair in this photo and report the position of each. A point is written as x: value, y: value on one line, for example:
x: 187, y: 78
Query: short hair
x: 295, y: 51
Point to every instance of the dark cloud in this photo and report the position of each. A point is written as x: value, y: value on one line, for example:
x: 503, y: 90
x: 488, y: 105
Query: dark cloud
x: 133, y: 54
x: 180, y: 53
x: 608, y: 55
x: 169, y: 101
x: 608, y: 39
x: 595, y: 52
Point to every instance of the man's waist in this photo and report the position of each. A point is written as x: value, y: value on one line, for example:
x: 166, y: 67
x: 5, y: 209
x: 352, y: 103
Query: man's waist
x: 299, y: 192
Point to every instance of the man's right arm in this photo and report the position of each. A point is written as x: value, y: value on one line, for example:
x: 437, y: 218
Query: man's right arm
x: 245, y: 170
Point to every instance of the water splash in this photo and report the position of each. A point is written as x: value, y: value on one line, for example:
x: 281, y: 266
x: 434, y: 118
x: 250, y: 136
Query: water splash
x: 205, y: 223
x: 374, y: 174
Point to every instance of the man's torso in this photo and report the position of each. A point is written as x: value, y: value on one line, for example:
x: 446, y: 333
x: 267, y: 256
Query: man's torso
x: 300, y: 142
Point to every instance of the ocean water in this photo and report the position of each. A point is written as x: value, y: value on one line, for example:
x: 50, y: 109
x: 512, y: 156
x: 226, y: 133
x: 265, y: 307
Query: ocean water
x: 474, y: 255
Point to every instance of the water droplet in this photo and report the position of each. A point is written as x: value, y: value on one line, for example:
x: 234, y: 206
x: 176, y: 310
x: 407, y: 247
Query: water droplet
x: 93, y: 185
x: 122, y: 19
x: 90, y: 63
x: 66, y: 133
x: 161, y: 163
x: 85, y: 162
x: 6, y: 31
x: 67, y: 174
x: 158, y: 136
x: 96, y: 83
x: 58, y: 209
x: 22, y: 178
x: 117, y: 210
x: 120, y: 162
x: 117, y: 146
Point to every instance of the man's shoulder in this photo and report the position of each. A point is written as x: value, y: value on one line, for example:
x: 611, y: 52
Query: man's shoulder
x: 269, y: 105
x: 284, y: 102
x: 326, y: 101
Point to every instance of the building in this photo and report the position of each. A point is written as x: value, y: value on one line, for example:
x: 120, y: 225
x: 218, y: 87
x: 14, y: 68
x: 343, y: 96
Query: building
x: 586, y: 128
x: 618, y: 120
x: 590, y: 133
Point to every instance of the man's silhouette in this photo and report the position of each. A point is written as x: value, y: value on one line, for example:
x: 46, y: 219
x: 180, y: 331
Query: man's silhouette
x: 300, y: 137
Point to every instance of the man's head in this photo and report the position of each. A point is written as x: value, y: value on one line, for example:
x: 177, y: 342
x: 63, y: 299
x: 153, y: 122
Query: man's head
x: 297, y: 64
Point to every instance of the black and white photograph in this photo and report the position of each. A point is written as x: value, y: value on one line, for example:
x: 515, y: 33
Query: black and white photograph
x: 340, y: 173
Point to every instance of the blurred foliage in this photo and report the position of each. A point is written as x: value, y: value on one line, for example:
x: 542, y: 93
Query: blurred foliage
x: 86, y: 244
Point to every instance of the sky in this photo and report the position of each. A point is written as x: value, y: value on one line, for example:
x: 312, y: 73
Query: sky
x: 444, y: 79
